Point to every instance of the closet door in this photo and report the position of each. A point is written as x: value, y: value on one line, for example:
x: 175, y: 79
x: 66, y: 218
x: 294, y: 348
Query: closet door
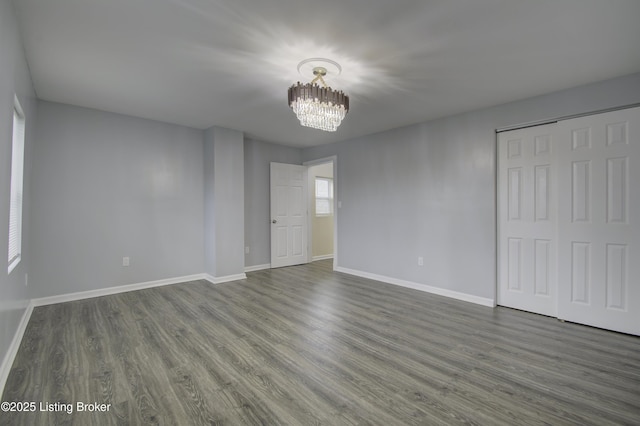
x: 599, y: 220
x: 527, y: 211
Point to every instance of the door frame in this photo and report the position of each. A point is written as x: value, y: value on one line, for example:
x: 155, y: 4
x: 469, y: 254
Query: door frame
x: 336, y: 206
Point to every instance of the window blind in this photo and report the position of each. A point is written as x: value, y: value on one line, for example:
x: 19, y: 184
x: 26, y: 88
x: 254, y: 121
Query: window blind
x: 324, y: 196
x: 15, y: 203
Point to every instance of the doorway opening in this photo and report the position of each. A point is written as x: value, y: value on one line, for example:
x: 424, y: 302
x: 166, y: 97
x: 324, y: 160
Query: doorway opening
x: 323, y: 207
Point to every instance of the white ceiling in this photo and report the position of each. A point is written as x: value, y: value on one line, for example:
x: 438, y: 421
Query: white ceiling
x: 228, y: 63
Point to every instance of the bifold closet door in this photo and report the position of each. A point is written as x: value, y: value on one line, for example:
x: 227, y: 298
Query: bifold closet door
x: 527, y: 210
x: 599, y: 220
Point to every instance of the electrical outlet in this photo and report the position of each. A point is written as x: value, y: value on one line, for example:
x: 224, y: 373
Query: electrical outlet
x: 246, y: 250
x: 125, y: 261
x: 420, y: 261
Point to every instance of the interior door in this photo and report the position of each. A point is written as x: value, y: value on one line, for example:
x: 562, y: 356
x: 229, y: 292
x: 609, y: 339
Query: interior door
x: 527, y: 211
x: 599, y: 227
x: 288, y: 215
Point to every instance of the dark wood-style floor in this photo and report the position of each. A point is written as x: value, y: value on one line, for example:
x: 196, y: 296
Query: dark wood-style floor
x: 304, y: 345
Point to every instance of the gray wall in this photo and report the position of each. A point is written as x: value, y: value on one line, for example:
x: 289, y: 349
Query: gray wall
x: 14, y: 79
x: 224, y: 202
x: 257, y: 157
x: 429, y: 190
x: 106, y: 186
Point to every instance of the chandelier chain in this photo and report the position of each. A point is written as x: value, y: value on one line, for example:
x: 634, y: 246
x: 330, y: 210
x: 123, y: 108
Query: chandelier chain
x: 319, y: 78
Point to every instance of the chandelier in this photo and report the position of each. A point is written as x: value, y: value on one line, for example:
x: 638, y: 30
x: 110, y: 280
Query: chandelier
x: 319, y: 107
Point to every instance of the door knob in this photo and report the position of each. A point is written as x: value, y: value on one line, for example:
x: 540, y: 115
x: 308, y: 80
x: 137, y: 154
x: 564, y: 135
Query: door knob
x: 274, y: 221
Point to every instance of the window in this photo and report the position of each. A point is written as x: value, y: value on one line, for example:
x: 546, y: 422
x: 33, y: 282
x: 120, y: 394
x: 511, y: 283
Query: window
x: 324, y: 196
x: 15, y: 202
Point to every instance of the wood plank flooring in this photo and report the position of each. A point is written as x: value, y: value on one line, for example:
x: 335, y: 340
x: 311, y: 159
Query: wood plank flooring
x: 305, y: 346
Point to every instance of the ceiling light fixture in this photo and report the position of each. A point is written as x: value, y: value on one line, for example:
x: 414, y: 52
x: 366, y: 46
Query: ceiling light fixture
x: 319, y: 107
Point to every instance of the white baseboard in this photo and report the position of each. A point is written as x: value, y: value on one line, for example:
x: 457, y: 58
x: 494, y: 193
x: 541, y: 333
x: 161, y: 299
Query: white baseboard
x: 70, y: 297
x: 323, y: 257
x: 10, y: 356
x: 225, y: 279
x: 257, y: 267
x: 422, y: 287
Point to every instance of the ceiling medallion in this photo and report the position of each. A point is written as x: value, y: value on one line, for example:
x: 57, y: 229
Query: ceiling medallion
x: 319, y: 107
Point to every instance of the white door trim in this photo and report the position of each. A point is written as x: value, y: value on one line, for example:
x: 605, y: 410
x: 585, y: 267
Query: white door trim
x: 563, y: 118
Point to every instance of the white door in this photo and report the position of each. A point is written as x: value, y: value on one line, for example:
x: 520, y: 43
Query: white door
x: 599, y: 225
x: 527, y: 211
x: 288, y: 215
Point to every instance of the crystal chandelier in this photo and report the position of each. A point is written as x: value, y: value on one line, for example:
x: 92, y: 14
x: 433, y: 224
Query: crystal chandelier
x: 319, y: 107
